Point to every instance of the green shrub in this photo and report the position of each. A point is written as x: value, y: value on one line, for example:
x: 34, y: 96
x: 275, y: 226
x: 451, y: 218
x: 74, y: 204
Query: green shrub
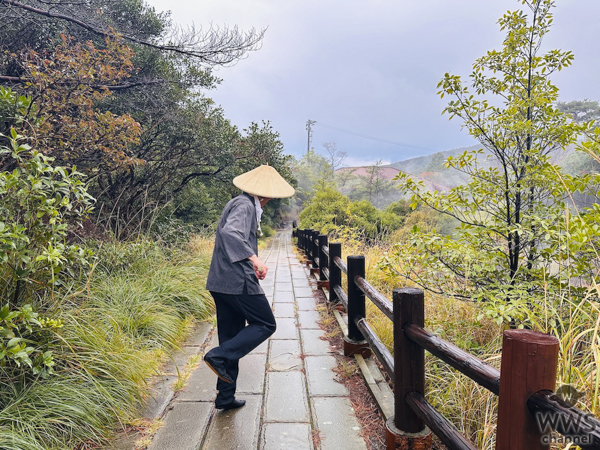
x: 136, y: 306
x: 267, y: 231
x: 24, y: 342
x: 39, y: 202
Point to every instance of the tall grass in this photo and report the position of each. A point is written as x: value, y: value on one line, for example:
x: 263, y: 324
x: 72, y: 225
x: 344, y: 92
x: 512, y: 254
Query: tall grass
x: 470, y: 407
x: 135, y: 307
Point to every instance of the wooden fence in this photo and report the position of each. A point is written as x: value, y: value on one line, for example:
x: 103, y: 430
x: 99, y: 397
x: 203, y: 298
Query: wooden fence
x: 528, y: 408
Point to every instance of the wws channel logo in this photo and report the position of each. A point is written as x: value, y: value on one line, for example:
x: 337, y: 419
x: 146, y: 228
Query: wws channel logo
x: 576, y: 429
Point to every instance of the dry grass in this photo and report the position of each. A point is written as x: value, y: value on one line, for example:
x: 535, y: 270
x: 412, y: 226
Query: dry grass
x: 470, y: 407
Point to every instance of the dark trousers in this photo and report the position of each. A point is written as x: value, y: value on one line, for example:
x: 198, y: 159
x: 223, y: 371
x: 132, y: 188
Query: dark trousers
x: 236, y: 339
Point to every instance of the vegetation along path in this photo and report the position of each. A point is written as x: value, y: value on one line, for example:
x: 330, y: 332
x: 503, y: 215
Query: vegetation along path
x: 293, y: 401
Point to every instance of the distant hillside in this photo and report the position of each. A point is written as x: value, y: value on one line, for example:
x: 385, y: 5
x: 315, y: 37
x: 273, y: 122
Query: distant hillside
x: 431, y: 170
x: 388, y: 172
x: 429, y: 163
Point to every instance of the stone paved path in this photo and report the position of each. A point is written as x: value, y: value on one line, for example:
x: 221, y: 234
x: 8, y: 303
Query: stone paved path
x: 294, y: 404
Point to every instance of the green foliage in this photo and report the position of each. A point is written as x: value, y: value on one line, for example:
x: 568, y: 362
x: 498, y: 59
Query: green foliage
x: 135, y: 308
x: 312, y: 172
x: 25, y: 341
x: 511, y: 245
x: 581, y: 110
x: 267, y: 231
x: 329, y: 210
x: 326, y: 210
x: 13, y: 110
x: 39, y: 202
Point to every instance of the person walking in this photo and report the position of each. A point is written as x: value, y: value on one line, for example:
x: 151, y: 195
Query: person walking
x: 244, y: 316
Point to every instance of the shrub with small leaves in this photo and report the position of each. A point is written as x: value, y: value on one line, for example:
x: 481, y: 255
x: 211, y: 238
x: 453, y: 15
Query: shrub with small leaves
x: 38, y: 202
x: 25, y: 340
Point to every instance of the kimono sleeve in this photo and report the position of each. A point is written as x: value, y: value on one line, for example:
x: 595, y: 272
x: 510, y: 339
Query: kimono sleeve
x: 236, y: 232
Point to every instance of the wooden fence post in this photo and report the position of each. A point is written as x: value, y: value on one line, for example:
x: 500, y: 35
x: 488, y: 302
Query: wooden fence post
x: 323, y: 262
x: 529, y: 364
x: 355, y: 343
x: 405, y: 430
x: 315, y: 250
x: 308, y: 249
x: 335, y: 273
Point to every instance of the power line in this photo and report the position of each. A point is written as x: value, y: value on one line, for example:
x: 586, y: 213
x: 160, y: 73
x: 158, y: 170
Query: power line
x: 366, y: 136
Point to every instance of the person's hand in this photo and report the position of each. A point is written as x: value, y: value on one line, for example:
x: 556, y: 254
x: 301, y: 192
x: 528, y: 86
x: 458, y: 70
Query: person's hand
x: 260, y: 269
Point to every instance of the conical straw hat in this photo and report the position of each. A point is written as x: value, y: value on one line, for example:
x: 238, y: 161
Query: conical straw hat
x: 264, y: 181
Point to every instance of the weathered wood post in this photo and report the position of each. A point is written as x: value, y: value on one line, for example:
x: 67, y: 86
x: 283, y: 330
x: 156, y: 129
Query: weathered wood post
x: 529, y: 364
x: 405, y: 430
x: 308, y: 249
x: 355, y: 342
x: 335, y: 273
x: 323, y: 262
x: 315, y: 249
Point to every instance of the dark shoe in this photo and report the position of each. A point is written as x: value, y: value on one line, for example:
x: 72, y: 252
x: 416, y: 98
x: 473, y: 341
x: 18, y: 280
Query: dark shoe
x: 233, y: 405
x: 218, y: 368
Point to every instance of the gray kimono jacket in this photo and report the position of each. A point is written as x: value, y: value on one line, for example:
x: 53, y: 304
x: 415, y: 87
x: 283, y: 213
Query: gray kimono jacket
x: 236, y: 240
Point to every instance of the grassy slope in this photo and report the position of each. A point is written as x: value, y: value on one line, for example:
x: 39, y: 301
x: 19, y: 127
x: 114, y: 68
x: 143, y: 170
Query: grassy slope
x: 140, y: 302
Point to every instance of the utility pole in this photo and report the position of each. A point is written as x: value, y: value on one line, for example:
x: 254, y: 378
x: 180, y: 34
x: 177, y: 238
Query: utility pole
x: 309, y: 124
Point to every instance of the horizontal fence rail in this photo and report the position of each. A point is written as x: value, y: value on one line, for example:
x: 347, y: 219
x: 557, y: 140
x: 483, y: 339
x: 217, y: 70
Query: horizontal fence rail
x: 440, y: 426
x: 484, y: 374
x: 529, y: 364
x: 376, y: 297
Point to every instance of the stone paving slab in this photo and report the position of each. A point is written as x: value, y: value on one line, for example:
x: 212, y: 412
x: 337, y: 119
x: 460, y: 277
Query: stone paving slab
x: 181, y: 358
x: 237, y: 429
x: 284, y: 355
x: 309, y: 320
x: 303, y: 292
x: 321, y: 377
x: 337, y: 425
x: 306, y: 303
x: 200, y: 387
x: 283, y: 287
x: 301, y: 283
x: 286, y: 436
x: 184, y: 427
x: 283, y: 297
x: 281, y: 309
x: 286, y: 329
x: 286, y: 399
x: 252, y: 373
x: 312, y: 344
x: 262, y: 348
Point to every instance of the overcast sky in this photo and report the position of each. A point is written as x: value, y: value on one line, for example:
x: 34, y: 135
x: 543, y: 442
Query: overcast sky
x: 370, y: 67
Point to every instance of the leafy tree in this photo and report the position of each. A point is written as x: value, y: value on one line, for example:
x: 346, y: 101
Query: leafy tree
x: 326, y: 210
x: 581, y: 110
x: 63, y: 88
x: 312, y: 172
x: 165, y: 134
x: 510, y: 213
x: 374, y: 185
x: 330, y: 211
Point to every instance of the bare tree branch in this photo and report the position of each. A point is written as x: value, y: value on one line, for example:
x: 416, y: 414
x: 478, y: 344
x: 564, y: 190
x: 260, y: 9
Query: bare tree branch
x: 216, y: 46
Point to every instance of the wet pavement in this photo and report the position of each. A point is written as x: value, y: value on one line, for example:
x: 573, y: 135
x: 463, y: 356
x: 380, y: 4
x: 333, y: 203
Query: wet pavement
x: 293, y: 400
